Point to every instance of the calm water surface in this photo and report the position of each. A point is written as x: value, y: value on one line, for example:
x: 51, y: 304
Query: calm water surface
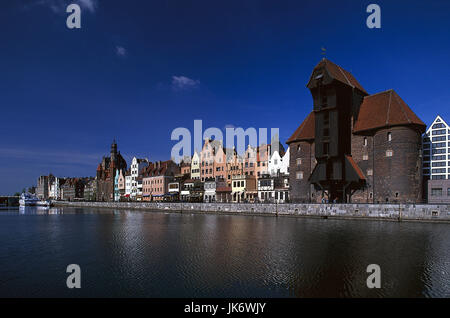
x: 146, y: 254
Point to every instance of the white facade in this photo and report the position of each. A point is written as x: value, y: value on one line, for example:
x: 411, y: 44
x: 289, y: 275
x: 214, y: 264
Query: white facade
x: 137, y: 167
x: 278, y: 164
x: 210, y: 191
x: 210, y: 187
x: 116, y: 186
x: 436, y: 150
x: 127, y: 186
x: 266, y: 189
x: 54, y: 190
x: 195, y: 166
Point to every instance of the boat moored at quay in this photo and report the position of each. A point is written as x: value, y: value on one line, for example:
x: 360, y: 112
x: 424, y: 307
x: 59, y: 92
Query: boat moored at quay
x: 28, y: 199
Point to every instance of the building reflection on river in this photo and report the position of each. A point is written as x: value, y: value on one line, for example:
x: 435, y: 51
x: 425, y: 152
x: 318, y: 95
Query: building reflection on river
x: 132, y: 253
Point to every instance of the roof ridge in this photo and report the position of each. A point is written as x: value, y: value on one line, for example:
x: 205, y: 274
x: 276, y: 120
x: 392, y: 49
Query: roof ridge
x: 389, y: 108
x: 443, y: 120
x: 346, y: 78
x: 401, y: 107
x: 382, y: 92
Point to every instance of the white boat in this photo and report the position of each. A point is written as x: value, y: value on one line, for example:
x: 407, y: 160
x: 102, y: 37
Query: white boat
x: 44, y: 203
x: 28, y: 199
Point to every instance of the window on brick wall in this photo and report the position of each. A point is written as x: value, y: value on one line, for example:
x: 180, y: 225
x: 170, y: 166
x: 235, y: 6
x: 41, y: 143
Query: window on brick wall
x: 369, y: 172
x: 389, y: 153
x: 365, y: 141
x: 389, y: 136
x: 436, y: 192
x: 299, y: 161
x: 365, y: 157
x: 299, y: 175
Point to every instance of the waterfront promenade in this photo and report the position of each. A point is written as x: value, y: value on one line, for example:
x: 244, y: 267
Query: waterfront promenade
x: 389, y: 212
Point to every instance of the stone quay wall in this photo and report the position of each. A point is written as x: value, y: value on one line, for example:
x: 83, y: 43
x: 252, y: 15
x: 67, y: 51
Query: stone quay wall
x: 392, y: 212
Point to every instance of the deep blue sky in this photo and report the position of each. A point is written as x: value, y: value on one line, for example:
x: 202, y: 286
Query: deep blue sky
x: 65, y: 94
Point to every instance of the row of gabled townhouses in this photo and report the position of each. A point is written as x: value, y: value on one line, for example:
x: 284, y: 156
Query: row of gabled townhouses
x: 212, y: 174
x: 216, y: 161
x: 54, y: 188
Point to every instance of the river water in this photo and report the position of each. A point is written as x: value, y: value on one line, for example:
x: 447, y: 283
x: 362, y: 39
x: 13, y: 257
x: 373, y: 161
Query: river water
x: 152, y: 254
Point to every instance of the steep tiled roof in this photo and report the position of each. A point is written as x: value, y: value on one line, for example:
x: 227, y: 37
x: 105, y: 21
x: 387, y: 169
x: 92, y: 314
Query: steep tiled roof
x: 306, y: 131
x: 339, y: 74
x: 356, y: 167
x: 162, y: 168
x: 385, y: 109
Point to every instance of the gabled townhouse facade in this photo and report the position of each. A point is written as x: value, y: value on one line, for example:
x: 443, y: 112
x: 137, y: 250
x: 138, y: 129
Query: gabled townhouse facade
x: 121, y: 184
x: 207, y: 159
x: 235, y: 165
x: 128, y: 185
x: 54, y: 191
x: 137, y: 169
x: 195, y: 166
x: 73, y: 188
x: 116, y: 186
x: 90, y: 190
x: 279, y: 164
x: 185, y: 166
x: 156, y: 179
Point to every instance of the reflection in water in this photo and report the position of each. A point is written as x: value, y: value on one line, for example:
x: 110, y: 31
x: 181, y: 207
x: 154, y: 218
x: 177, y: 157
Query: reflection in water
x: 144, y: 254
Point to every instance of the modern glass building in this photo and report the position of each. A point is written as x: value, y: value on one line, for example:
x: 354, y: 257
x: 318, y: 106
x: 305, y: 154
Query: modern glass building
x: 436, y: 151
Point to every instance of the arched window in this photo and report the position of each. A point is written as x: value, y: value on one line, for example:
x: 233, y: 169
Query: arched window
x: 389, y: 136
x: 365, y: 141
x: 299, y: 148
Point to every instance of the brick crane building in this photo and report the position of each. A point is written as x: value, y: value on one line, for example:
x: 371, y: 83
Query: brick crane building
x: 106, y: 173
x: 355, y: 147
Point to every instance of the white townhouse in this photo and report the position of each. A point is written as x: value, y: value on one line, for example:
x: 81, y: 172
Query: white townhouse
x: 279, y: 164
x: 210, y: 187
x: 127, y: 185
x: 195, y: 166
x: 137, y: 168
x: 54, y: 189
